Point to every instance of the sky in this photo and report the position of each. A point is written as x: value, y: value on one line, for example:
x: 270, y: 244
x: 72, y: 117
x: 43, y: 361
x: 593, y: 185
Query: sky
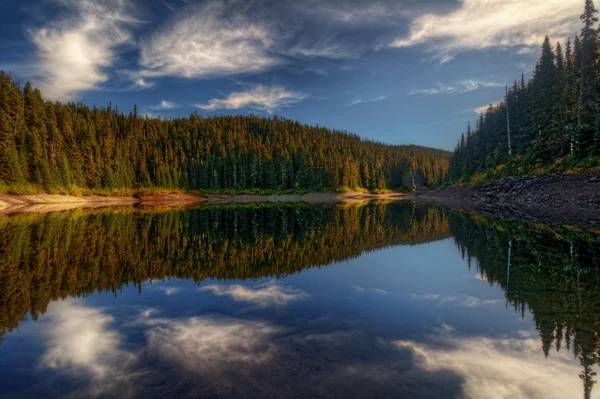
x: 400, y: 72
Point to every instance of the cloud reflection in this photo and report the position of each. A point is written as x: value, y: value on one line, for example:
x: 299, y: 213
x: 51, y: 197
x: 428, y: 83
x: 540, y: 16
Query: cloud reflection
x: 457, y: 299
x: 224, y: 355
x: 261, y: 295
x: 500, y: 368
x: 81, y: 342
x: 207, y: 344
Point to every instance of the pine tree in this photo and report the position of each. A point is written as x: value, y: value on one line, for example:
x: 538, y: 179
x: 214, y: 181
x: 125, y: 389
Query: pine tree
x: 588, y: 79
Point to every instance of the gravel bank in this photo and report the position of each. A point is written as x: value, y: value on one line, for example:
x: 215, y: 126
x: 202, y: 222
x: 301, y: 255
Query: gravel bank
x: 562, y: 199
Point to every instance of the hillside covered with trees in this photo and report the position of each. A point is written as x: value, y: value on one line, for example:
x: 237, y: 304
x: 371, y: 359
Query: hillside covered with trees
x: 70, y: 148
x: 551, y: 122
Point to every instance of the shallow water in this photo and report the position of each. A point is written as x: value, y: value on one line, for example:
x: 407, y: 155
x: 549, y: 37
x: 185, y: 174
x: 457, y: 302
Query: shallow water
x: 374, y: 300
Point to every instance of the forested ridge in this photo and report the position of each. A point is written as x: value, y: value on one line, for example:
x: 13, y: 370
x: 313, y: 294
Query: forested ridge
x: 548, y: 123
x: 71, y: 148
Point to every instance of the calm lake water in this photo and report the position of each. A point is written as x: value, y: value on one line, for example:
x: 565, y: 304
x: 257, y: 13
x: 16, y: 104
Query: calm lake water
x: 294, y: 301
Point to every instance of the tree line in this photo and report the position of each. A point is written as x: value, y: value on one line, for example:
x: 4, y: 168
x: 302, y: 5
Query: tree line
x: 57, y: 255
x: 57, y: 147
x: 551, y: 120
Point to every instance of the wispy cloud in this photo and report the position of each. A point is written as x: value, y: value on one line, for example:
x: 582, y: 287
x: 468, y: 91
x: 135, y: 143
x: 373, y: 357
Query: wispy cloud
x: 225, y: 38
x: 456, y: 299
x: 208, y: 41
x: 360, y: 100
x: 163, y: 106
x: 142, y: 83
x: 262, y: 295
x: 460, y: 87
x: 479, y: 24
x: 260, y: 97
x: 363, y: 289
x: 74, y: 52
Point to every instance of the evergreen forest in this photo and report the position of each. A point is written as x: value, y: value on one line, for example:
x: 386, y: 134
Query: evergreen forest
x: 549, y: 123
x: 74, y: 149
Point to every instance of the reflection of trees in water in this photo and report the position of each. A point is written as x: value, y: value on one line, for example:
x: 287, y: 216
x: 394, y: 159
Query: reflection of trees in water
x: 553, y: 272
x: 47, y: 257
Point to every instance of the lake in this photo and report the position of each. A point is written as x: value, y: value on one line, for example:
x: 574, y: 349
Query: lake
x: 376, y: 300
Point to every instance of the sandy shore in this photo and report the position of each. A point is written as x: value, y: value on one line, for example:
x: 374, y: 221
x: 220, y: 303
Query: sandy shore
x: 43, y: 203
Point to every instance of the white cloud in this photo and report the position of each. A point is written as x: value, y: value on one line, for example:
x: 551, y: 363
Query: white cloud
x: 262, y: 295
x: 500, y: 368
x: 208, y: 41
x: 73, y: 52
x: 265, y: 98
x: 163, y: 106
x: 478, y: 24
x: 208, y: 345
x: 461, y: 87
x: 483, y: 109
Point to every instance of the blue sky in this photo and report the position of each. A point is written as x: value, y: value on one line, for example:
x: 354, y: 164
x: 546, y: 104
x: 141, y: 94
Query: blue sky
x: 404, y: 71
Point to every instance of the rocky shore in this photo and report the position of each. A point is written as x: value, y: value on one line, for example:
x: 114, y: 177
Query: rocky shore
x: 561, y: 199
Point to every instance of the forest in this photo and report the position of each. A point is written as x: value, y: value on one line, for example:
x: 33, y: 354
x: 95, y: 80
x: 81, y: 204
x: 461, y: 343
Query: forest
x: 550, y: 123
x: 72, y: 149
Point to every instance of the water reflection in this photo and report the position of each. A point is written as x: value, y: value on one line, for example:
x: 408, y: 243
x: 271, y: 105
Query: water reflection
x: 47, y: 257
x: 228, y: 313
x: 552, y: 272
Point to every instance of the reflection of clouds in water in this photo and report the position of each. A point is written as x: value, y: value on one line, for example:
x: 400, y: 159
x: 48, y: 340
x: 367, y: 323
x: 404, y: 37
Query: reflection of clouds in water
x: 203, y: 344
x: 225, y: 356
x: 363, y: 289
x: 79, y: 338
x: 262, y: 295
x: 80, y: 341
x: 500, y: 368
x: 457, y: 299
x: 168, y: 290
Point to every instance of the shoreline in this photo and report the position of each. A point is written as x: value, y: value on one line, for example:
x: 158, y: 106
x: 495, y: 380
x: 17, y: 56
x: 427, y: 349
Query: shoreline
x: 45, y: 203
x: 568, y: 200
